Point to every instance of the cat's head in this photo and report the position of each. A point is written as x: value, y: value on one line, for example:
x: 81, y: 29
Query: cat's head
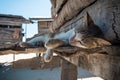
x: 86, y: 30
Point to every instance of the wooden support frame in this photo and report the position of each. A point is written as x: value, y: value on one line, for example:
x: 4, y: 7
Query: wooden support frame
x: 19, y: 50
x: 68, y: 71
x: 75, y: 51
x: 67, y: 51
x: 82, y: 57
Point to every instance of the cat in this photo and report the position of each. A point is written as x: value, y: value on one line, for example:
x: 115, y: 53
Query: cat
x: 57, y: 41
x: 88, y: 36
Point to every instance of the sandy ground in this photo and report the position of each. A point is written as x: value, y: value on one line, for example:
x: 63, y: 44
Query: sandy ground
x: 8, y: 73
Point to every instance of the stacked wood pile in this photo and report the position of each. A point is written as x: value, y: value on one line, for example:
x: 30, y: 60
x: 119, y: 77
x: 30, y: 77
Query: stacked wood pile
x: 102, y: 12
x: 105, y: 14
x: 66, y: 12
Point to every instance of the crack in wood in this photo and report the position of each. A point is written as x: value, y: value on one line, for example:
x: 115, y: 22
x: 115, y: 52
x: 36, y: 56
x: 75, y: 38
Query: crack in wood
x: 113, y: 26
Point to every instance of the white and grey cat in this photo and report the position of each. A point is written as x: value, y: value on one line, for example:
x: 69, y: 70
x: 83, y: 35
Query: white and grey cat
x: 38, y: 41
x: 88, y: 36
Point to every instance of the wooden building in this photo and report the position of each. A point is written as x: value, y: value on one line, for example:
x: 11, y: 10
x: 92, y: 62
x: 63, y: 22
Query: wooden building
x: 43, y: 24
x: 11, y: 29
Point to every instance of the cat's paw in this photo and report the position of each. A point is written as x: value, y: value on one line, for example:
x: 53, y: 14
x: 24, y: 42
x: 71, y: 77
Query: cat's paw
x: 54, y: 43
x: 48, y: 55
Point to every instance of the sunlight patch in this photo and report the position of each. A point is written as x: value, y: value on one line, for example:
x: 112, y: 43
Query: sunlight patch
x: 91, y: 78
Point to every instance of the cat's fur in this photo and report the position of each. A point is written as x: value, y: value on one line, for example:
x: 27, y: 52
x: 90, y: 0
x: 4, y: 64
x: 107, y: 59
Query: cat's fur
x: 58, y: 40
x: 38, y: 41
x: 88, y: 36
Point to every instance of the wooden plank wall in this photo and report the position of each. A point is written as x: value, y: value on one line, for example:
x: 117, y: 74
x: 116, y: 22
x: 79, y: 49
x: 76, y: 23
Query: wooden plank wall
x: 9, y: 36
x: 43, y: 26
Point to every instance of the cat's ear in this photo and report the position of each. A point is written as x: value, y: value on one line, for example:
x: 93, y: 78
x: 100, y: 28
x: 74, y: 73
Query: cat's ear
x: 89, y: 19
x: 102, y: 42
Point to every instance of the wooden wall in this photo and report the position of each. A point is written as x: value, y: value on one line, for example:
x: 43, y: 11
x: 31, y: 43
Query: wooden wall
x: 43, y: 26
x: 9, y: 36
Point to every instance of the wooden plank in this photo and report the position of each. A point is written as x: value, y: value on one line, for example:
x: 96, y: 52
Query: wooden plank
x: 104, y: 66
x: 66, y: 13
x: 37, y: 63
x: 75, y: 51
x: 19, y: 20
x: 18, y: 50
x: 68, y: 71
x: 42, y: 19
x: 11, y: 23
x: 68, y: 51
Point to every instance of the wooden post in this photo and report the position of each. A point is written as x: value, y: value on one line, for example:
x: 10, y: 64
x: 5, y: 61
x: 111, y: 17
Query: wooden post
x: 68, y: 71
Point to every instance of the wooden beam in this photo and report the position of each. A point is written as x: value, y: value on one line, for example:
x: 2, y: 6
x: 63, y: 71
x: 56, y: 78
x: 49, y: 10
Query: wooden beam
x: 104, y: 66
x: 18, y: 50
x: 13, y: 20
x: 75, y: 51
x: 64, y: 51
x: 68, y: 71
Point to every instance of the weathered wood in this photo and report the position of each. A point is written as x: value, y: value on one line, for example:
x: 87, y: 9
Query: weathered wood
x: 12, y: 19
x: 66, y: 51
x: 112, y: 50
x: 75, y: 51
x: 10, y: 30
x: 11, y: 23
x: 18, y: 50
x: 68, y: 71
x: 67, y: 10
x: 36, y: 50
x: 104, y: 66
x: 59, y: 5
x: 105, y: 14
x: 42, y: 19
x: 37, y: 63
x: 43, y: 25
x: 70, y: 24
